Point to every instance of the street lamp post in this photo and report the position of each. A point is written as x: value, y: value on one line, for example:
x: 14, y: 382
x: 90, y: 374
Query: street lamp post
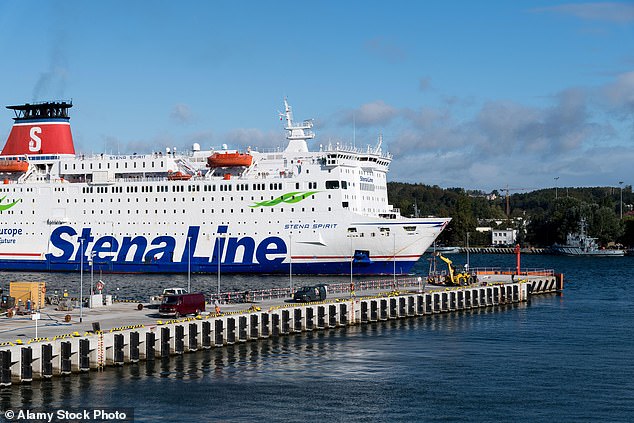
x: 290, y: 262
x: 556, y: 186
x: 189, y: 264
x: 394, y: 258
x: 92, y: 279
x: 218, y: 257
x: 81, y: 283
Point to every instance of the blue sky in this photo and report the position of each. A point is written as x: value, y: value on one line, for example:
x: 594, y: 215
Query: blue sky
x: 469, y: 94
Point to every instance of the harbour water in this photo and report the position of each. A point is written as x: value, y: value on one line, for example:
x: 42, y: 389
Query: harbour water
x: 557, y: 358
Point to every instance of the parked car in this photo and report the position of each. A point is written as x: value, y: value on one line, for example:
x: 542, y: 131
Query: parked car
x: 311, y: 293
x: 182, y: 304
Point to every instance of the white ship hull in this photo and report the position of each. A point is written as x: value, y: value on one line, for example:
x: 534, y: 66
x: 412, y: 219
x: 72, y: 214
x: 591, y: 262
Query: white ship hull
x: 300, y: 211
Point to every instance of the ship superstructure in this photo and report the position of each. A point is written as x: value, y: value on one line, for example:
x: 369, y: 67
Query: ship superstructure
x: 246, y: 212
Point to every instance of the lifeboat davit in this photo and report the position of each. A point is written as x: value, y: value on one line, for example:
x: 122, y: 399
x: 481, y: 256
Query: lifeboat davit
x: 178, y: 176
x: 13, y: 165
x: 229, y: 160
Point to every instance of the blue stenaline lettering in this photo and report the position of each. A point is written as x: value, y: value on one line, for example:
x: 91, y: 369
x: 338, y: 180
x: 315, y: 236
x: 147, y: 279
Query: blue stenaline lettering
x: 87, y: 237
x: 245, y: 250
x: 164, y: 253
x: 269, y: 246
x: 140, y: 245
x: 58, y: 241
x: 190, y: 243
x: 106, y: 244
x: 248, y: 246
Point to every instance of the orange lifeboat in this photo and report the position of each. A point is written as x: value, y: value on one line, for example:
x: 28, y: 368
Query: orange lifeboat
x: 229, y: 160
x: 13, y: 165
x: 178, y: 176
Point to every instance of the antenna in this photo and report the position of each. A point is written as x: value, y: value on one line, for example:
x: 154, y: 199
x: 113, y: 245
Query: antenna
x: 354, y: 130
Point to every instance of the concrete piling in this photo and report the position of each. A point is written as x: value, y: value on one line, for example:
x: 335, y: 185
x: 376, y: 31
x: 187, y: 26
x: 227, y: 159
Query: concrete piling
x: 74, y: 353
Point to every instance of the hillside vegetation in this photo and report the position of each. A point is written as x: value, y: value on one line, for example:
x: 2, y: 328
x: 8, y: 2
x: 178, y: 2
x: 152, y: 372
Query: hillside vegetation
x: 549, y: 214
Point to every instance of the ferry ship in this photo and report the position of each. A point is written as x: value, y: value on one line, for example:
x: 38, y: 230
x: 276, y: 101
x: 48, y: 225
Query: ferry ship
x: 297, y: 211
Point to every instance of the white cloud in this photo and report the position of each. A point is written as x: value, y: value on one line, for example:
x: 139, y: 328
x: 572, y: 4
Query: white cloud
x: 181, y: 113
x: 618, y: 12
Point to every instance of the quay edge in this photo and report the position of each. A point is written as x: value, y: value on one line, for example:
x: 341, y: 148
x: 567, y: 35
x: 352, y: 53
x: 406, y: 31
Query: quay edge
x: 45, y: 358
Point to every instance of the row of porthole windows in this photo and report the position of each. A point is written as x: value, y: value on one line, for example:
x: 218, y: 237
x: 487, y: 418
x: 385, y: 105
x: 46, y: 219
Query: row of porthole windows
x: 156, y: 200
x: 222, y: 211
x: 116, y: 166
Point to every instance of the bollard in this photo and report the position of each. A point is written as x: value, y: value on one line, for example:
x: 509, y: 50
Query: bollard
x: 254, y: 332
x: 206, y: 339
x: 47, y: 361
x: 134, y: 347
x: 84, y: 355
x: 26, y: 369
x: 219, y: 333
x: 193, y: 337
x: 150, y: 343
x: 118, y: 349
x: 231, y: 331
x: 165, y: 342
x: 5, y: 368
x: 65, y: 365
x: 332, y: 316
x: 242, y: 329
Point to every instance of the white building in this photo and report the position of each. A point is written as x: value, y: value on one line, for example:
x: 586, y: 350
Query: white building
x: 503, y: 236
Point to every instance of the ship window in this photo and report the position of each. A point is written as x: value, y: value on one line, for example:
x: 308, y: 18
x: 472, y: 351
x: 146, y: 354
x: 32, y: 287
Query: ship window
x: 345, y: 205
x: 332, y: 184
x: 409, y: 228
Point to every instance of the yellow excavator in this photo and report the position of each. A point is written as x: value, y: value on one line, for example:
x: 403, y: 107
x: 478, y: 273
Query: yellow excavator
x: 456, y: 278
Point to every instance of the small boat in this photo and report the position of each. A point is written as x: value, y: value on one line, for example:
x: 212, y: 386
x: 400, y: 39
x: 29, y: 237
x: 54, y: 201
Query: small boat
x: 178, y: 176
x: 13, y: 165
x: 229, y: 159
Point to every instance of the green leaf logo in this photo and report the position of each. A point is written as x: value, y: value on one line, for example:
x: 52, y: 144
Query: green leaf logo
x: 4, y: 207
x: 288, y: 198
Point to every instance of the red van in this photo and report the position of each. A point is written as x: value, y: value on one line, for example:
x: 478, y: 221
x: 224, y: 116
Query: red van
x: 182, y: 304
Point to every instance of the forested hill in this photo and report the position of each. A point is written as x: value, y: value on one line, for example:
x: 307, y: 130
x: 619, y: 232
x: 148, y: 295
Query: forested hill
x: 549, y: 213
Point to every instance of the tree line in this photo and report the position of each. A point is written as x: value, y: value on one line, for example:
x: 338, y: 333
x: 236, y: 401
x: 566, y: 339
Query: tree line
x: 542, y: 217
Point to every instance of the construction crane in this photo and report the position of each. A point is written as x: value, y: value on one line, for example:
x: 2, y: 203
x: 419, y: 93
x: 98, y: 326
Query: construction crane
x: 508, y: 204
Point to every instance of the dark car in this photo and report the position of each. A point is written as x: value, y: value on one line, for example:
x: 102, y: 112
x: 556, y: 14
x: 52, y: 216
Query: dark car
x: 181, y: 305
x: 311, y: 293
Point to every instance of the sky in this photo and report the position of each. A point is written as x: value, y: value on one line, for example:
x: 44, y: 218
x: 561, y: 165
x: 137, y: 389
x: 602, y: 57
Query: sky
x: 473, y: 94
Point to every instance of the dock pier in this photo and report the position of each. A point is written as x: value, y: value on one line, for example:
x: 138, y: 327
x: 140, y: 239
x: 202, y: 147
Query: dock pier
x: 146, y: 338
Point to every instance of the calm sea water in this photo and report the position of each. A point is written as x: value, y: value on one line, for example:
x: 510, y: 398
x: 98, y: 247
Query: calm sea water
x: 558, y: 358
